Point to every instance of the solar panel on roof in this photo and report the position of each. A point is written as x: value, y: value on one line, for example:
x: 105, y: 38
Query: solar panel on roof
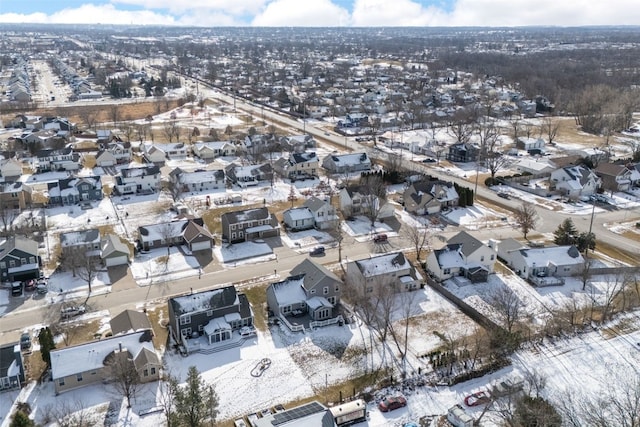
x: 297, y: 413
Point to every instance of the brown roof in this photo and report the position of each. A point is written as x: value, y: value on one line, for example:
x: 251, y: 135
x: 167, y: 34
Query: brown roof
x: 129, y: 320
x: 193, y: 230
x: 610, y: 169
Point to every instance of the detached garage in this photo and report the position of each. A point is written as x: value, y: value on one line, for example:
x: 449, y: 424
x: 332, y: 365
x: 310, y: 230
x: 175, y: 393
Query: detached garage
x: 197, y: 238
x: 113, y: 251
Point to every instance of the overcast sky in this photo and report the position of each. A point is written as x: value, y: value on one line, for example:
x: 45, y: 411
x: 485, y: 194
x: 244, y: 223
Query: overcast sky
x: 324, y: 12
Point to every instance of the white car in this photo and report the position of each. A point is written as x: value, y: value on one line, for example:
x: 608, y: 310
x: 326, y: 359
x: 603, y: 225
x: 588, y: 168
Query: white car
x: 247, y: 331
x: 72, y: 311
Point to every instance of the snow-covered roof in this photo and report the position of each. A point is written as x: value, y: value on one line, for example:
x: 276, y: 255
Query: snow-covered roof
x: 317, y: 302
x: 350, y: 159
x: 554, y: 255
x: 74, y: 238
x: 203, y: 301
x: 217, y: 324
x: 298, y: 214
x: 383, y: 264
x: 202, y: 176
x: 167, y: 230
x: 290, y: 291
x: 91, y: 356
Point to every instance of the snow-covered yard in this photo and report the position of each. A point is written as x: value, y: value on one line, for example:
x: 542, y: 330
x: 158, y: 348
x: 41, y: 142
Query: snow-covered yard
x: 238, y: 252
x: 157, y: 266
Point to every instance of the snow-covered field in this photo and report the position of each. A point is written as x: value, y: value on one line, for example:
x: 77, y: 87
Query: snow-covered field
x: 160, y: 265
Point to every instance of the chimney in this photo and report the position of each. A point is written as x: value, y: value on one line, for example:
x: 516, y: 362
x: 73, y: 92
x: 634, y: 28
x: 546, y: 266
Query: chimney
x: 120, y: 346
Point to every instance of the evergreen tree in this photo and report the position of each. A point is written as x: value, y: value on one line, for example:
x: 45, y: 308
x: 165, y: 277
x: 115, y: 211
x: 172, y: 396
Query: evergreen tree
x: 196, y: 401
x: 586, y: 241
x: 20, y: 419
x: 45, y: 338
x: 566, y: 233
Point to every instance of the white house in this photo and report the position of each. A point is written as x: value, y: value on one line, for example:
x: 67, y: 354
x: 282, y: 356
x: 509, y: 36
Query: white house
x: 528, y: 143
x: 324, y: 214
x: 463, y: 255
x: 575, y: 181
x: 113, y: 251
x: 297, y: 219
x: 535, y: 263
x: 214, y: 149
x: 154, y: 154
x: 535, y: 166
x: 346, y: 163
x: 144, y: 179
x: 206, y: 180
x: 10, y: 169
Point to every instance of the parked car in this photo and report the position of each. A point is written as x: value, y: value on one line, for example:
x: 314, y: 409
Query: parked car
x: 317, y: 251
x: 476, y: 399
x: 247, y: 331
x: 428, y: 160
x: 16, y: 289
x: 380, y: 238
x: 30, y: 285
x: 390, y: 403
x: 25, y: 341
x: 42, y: 288
x: 72, y: 311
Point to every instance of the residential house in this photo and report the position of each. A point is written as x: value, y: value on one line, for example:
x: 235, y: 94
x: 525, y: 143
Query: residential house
x: 138, y: 180
x: 11, y: 367
x: 614, y: 177
x: 15, y: 195
x: 152, y: 153
x: 358, y: 200
x: 528, y: 143
x: 311, y: 289
x: 104, y: 136
x: 535, y: 166
x: 130, y: 321
x: 201, y: 180
x: 246, y: 176
x: 463, y: 255
x: 86, y: 242
x: 113, y: 153
x: 249, y: 224
x: 539, y: 263
x: 113, y: 251
x: 574, y: 181
x: 297, y: 143
x: 19, y: 259
x: 179, y: 232
x: 70, y: 191
x: 214, y: 149
x: 324, y: 214
x: 429, y: 197
x: 346, y: 163
x: 458, y: 417
x: 10, y: 170
x: 298, y: 166
x: 391, y: 269
x: 463, y: 152
x: 197, y: 237
x: 298, y: 219
x: 90, y: 363
x: 63, y: 159
x: 215, y: 314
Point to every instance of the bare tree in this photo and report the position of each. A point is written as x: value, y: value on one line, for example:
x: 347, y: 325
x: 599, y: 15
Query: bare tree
x: 141, y: 131
x: 123, y: 375
x: 508, y: 307
x: 114, y: 113
x: 7, y: 215
x: 171, y: 130
x: 461, y: 129
x: 374, y: 192
x: 419, y: 237
x: 167, y: 400
x: 128, y: 131
x: 81, y: 263
x: 495, y: 162
x: 526, y: 218
x: 550, y: 128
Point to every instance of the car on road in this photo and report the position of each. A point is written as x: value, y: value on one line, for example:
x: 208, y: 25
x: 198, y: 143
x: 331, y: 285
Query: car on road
x: 428, y: 160
x: 389, y: 403
x: 25, y: 341
x: 317, y: 251
x: 327, y: 134
x: 72, y: 311
x: 380, y: 238
x: 476, y: 399
x: 504, y: 195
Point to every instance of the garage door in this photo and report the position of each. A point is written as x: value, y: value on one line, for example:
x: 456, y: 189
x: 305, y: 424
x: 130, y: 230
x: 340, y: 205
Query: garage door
x: 119, y: 260
x: 200, y: 246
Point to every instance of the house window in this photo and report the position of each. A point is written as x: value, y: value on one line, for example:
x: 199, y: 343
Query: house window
x: 482, y: 258
x: 446, y: 271
x: 233, y: 226
x: 209, y: 313
x: 94, y: 372
x: 492, y: 257
x: 185, y: 332
x: 185, y: 320
x: 12, y: 263
x: 325, y: 290
x: 61, y: 381
x: 337, y: 288
x: 3, y: 265
x: 200, y: 328
x: 23, y: 261
x: 32, y: 260
x: 78, y: 377
x: 312, y: 291
x: 369, y: 289
x: 153, y: 371
x: 146, y: 373
x: 286, y: 309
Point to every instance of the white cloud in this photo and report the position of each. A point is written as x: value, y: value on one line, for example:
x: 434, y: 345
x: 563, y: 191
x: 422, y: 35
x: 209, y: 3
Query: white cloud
x: 318, y: 13
x: 224, y: 7
x: 92, y: 14
x: 497, y: 13
x: 326, y: 13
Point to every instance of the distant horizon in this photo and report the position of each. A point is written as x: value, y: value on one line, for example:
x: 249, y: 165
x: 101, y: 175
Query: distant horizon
x: 324, y: 13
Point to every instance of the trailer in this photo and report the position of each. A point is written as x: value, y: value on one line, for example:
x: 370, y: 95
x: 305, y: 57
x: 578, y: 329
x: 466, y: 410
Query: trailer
x: 349, y: 413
